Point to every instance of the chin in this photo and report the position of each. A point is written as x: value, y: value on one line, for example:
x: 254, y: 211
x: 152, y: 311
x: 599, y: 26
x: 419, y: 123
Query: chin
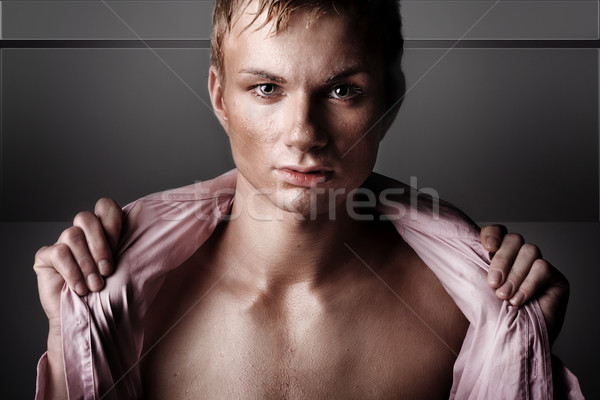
x: 305, y: 204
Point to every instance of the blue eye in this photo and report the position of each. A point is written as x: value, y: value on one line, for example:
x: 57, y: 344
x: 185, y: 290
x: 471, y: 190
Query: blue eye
x: 344, y: 92
x: 266, y: 89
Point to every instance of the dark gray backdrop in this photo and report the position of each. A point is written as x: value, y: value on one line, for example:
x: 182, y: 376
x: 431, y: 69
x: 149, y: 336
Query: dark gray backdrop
x: 503, y: 123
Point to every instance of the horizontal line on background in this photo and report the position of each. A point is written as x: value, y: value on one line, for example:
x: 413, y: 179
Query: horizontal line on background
x: 205, y: 44
x: 504, y: 44
x: 103, y: 44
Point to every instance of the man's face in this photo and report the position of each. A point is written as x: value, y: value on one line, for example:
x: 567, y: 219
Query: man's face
x: 301, y: 108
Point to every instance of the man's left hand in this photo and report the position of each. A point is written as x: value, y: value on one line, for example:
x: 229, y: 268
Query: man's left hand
x: 518, y: 273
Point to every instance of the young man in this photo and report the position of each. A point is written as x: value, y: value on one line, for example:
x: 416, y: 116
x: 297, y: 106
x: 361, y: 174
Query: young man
x: 280, y: 279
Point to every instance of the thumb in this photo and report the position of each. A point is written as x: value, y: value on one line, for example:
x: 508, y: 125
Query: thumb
x: 491, y: 237
x: 111, y: 217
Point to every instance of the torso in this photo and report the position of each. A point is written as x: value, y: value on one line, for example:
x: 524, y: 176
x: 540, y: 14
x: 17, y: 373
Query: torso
x: 348, y: 336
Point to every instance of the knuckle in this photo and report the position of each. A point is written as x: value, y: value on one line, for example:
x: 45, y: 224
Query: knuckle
x: 61, y: 251
x: 38, y: 260
x: 71, y: 234
x: 530, y: 250
x: 500, y: 262
x: 515, y: 238
x: 542, y: 266
x: 84, y: 218
x: 99, y: 250
x: 527, y: 288
x: 87, y: 265
x: 41, y: 251
x: 71, y: 275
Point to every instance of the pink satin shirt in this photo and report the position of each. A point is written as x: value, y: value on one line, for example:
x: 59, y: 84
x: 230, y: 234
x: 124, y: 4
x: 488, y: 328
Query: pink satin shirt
x: 505, y: 354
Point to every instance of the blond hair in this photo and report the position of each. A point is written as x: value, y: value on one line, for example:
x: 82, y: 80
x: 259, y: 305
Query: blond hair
x: 382, y: 18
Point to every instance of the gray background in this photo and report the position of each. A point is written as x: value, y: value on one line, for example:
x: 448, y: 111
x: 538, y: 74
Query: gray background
x: 508, y: 134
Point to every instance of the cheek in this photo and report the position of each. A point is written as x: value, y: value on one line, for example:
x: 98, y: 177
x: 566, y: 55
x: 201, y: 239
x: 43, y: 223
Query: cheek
x: 253, y: 135
x: 358, y: 135
x: 253, y: 121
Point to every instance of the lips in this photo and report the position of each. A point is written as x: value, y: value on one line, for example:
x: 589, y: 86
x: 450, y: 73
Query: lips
x: 305, y: 176
x: 306, y: 170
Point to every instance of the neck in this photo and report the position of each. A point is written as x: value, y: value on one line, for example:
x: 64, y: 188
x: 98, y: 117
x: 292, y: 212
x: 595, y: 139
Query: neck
x: 281, y: 248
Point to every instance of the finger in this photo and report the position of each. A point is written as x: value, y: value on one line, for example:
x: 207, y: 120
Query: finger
x: 60, y: 259
x: 553, y: 303
x: 111, y: 217
x: 538, y: 278
x: 95, y: 242
x: 48, y: 276
x: 74, y: 239
x: 528, y: 254
x: 504, y: 258
x: 491, y: 237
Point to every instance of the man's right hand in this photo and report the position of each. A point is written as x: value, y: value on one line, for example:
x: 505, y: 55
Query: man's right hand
x: 81, y: 257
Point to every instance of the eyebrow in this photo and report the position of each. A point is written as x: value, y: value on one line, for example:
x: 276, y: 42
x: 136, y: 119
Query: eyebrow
x: 336, y: 76
x: 263, y: 74
x: 345, y: 73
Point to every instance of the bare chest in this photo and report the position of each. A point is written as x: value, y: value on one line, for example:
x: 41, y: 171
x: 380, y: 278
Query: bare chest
x: 363, y: 348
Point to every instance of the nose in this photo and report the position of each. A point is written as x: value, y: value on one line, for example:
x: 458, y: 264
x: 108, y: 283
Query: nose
x: 305, y: 131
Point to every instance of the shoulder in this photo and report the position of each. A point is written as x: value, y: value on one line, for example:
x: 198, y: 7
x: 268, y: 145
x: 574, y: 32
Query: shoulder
x: 408, y: 207
x: 415, y: 280
x: 445, y: 240
x: 177, y: 220
x: 162, y: 230
x: 202, y: 199
x: 171, y: 213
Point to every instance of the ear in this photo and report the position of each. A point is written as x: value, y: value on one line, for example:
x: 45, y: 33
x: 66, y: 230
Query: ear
x: 216, y: 91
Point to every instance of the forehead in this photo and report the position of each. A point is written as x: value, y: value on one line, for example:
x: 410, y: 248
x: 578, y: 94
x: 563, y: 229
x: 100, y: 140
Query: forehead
x: 320, y: 44
x: 249, y: 13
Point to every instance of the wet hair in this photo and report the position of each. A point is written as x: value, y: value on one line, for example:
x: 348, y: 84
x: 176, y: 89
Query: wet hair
x: 379, y: 19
